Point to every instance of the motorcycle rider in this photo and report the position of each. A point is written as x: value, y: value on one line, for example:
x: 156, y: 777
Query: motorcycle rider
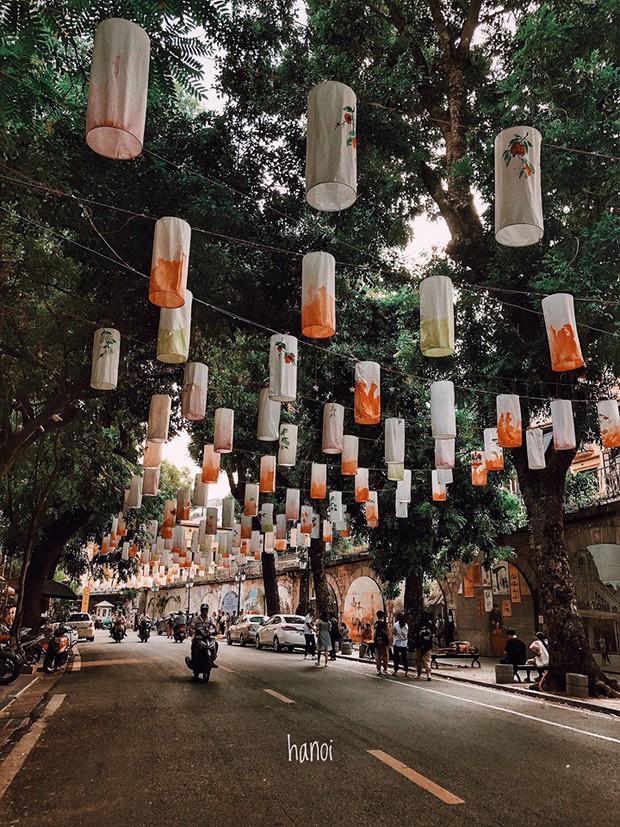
x: 204, y: 622
x: 118, y: 624
x: 180, y: 620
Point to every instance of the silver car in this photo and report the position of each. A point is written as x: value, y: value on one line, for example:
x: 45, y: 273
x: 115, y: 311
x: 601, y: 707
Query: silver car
x: 282, y: 632
x: 244, y: 630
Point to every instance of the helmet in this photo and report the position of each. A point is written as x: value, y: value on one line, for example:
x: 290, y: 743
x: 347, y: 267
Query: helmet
x: 204, y: 606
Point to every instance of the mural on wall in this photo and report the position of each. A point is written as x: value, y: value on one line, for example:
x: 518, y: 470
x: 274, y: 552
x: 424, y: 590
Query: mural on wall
x: 254, y: 603
x: 286, y: 598
x: 363, y: 601
x: 229, y: 602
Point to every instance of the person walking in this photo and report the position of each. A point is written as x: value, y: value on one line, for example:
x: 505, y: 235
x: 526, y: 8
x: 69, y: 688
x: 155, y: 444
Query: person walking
x: 603, y: 649
x: 334, y: 635
x: 310, y: 647
x: 325, y: 642
x: 423, y: 646
x: 381, y: 643
x: 400, y: 634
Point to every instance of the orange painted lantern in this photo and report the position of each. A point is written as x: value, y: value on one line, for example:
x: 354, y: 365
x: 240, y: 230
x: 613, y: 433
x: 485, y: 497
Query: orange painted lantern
x: 150, y: 482
x: 564, y: 347
x: 494, y: 455
x: 478, y: 468
x: 318, y: 481
x: 170, y: 262
x: 349, y: 459
x: 362, y: 488
x: 306, y: 519
x: 372, y: 510
x: 170, y: 519
x: 440, y: 492
x: 367, y: 393
x: 224, y: 430
x: 327, y: 531
x: 183, y: 503
x: 267, y: 474
x: 318, y: 295
x: 210, y: 465
x: 609, y: 422
x: 509, y: 422
x: 250, y: 503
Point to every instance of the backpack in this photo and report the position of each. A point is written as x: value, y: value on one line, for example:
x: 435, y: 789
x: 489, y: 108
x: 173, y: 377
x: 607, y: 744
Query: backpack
x: 381, y: 633
x: 425, y: 639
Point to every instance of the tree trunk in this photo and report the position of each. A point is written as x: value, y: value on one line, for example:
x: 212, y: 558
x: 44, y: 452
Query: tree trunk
x: 569, y: 650
x: 270, y: 583
x: 321, y: 590
x: 303, y: 606
x: 414, y: 603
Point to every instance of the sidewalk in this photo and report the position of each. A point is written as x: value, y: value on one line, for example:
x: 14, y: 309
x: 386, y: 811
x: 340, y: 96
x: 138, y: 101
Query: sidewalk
x: 485, y: 676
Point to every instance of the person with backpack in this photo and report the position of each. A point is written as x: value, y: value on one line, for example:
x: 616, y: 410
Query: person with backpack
x: 334, y: 635
x: 423, y: 646
x: 381, y: 643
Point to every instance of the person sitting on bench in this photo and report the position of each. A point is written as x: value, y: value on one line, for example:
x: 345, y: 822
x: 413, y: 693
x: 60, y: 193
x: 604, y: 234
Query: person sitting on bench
x: 541, y: 655
x: 515, y: 650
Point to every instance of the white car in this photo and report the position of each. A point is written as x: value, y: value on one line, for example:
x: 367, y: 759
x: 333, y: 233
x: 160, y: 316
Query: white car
x: 83, y: 624
x: 244, y: 630
x: 281, y: 632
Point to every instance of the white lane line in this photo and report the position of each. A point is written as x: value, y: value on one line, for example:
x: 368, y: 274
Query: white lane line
x: 421, y: 780
x: 278, y: 696
x: 16, y: 758
x: 77, y: 661
x: 16, y: 696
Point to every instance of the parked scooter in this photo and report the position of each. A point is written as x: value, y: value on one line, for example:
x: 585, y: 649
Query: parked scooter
x: 11, y: 659
x: 144, y: 630
x: 57, y: 650
x: 204, y: 653
x: 180, y: 633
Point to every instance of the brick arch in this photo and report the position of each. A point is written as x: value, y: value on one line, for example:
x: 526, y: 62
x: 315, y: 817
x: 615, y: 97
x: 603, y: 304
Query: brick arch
x: 337, y: 591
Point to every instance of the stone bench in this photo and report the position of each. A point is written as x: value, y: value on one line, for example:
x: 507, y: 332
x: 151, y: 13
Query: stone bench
x: 577, y: 685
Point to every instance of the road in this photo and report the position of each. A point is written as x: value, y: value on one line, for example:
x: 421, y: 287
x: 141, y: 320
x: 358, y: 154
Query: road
x: 135, y: 742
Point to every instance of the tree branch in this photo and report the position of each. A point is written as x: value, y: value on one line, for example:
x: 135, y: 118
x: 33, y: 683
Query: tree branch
x: 469, y: 27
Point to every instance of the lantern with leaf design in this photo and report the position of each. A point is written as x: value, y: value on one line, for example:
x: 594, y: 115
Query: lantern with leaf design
x: 106, y: 355
x: 287, y: 447
x: 334, y: 509
x: 564, y: 347
x: 283, y: 368
x: 169, y: 520
x: 224, y: 430
x: 436, y: 316
x: 509, y: 433
x: 333, y: 428
x: 367, y: 393
x: 349, y: 458
x: 170, y: 262
x: 318, y: 295
x: 210, y: 465
x: 250, y: 504
x: 183, y: 503
x: 563, y: 425
x: 518, y: 198
x: 478, y: 468
x: 318, y: 481
x: 159, y: 418
x: 266, y: 517
x: 609, y: 422
x: 268, y: 417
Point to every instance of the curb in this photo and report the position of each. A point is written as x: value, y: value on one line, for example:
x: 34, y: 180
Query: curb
x: 557, y: 699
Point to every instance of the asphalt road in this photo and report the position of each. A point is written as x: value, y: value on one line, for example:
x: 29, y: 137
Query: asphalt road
x: 135, y: 742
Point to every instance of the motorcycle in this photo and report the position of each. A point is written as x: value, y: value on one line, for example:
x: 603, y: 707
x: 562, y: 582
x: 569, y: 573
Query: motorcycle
x: 11, y: 660
x: 203, y: 655
x: 57, y: 650
x: 118, y: 633
x: 180, y: 633
x: 144, y: 631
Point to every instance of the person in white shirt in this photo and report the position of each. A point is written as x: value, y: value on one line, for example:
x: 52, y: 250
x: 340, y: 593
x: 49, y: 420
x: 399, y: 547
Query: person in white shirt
x: 541, y: 655
x: 309, y: 634
x: 400, y: 634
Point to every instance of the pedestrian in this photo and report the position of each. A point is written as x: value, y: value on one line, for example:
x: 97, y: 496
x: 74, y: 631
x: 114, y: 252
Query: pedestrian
x: 401, y: 643
x: 334, y: 635
x: 541, y: 655
x: 381, y: 643
x: 603, y: 648
x: 450, y: 628
x: 325, y: 642
x: 222, y: 623
x: 439, y: 630
x: 423, y: 646
x: 310, y: 647
x: 366, y: 645
x: 515, y: 651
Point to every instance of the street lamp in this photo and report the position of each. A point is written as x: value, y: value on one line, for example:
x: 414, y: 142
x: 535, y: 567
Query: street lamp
x: 304, y: 565
x: 188, y: 586
x: 239, y: 578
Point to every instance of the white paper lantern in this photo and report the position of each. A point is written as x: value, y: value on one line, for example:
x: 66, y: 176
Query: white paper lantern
x: 153, y: 452
x: 224, y: 430
x: 335, y: 512
x: 494, y: 455
x: 444, y: 453
x: 280, y: 527
x: 292, y: 504
x: 159, y: 418
x: 268, y: 417
x: 256, y: 544
x: 444, y: 476
x: 367, y: 393
x: 117, y: 93
x: 402, y: 510
x: 609, y: 422
x: 212, y: 516
x: 228, y: 513
x: 439, y: 491
x: 266, y: 517
x: 267, y: 474
x: 106, y: 355
x: 563, y: 425
x: 283, y: 368
x: 518, y: 199
x: 509, y: 421
x: 372, y: 510
x: 194, y: 394
x: 443, y: 415
x: 403, y: 488
x: 134, y: 498
x: 210, y: 465
x: 436, y: 316
x: 535, y: 444
x: 349, y: 459
x: 327, y: 531
x: 333, y: 428
x: 201, y: 492
x: 478, y: 468
x: 306, y: 519
x: 170, y: 262
x: 183, y: 503
x: 318, y: 481
x: 287, y: 447
x: 362, y: 486
x: 331, y: 150
x: 396, y: 471
x: 318, y: 295
x: 564, y: 347
x: 150, y: 482
x: 395, y: 440
x: 250, y: 504
x: 174, y: 332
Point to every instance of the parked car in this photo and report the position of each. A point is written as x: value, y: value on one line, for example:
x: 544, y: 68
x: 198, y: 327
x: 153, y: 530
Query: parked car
x: 281, y: 632
x: 244, y: 630
x: 83, y: 624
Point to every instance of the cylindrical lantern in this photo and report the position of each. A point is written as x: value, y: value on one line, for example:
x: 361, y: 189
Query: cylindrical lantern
x: 318, y: 481
x: 494, y: 455
x: 563, y: 425
x: 518, y: 199
x: 443, y: 415
x: 535, y: 444
x: 266, y: 517
x: 350, y: 450
x: 478, y: 468
x: 268, y: 474
x: 327, y: 531
x: 362, y: 487
x: 169, y: 519
x: 372, y: 509
x: 395, y: 440
x: 403, y: 488
x: 609, y: 422
x: 159, y: 418
x: 201, y: 492
x: 292, y: 504
x: 150, y: 482
x: 280, y: 526
x: 134, y: 498
x: 336, y: 514
x: 250, y: 503
x: 331, y: 149
x: 255, y: 543
x: 333, y: 428
x: 211, y: 522
x: 183, y: 503
x: 444, y: 453
x: 316, y: 526
x: 210, y: 465
x: 268, y: 417
x: 402, y: 510
x: 224, y: 430
x: 246, y: 527
x: 153, y: 454
x: 564, y: 347
x: 106, y: 355
x: 318, y: 295
x: 287, y: 447
x: 367, y: 393
x: 509, y: 421
x: 194, y: 395
x: 170, y: 262
x: 440, y: 492
x: 306, y: 519
x: 178, y: 539
x: 436, y: 316
x: 282, y: 368
x: 174, y: 331
x: 396, y: 471
x: 269, y: 541
x: 119, y: 80
x: 228, y: 513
